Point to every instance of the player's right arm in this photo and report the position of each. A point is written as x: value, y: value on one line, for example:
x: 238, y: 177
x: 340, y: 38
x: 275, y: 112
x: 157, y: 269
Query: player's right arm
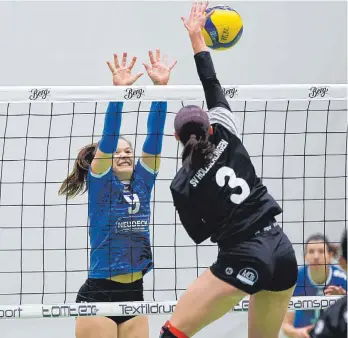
x: 108, y: 144
x: 219, y: 109
x: 288, y: 327
x: 205, y: 68
x: 292, y: 332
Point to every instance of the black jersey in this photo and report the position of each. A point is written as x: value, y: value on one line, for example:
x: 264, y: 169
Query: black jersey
x: 224, y: 200
x: 333, y: 322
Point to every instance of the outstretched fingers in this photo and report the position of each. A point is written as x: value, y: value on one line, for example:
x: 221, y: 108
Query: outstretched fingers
x: 124, y: 60
x: 151, y: 57
x: 185, y: 22
x: 147, y: 67
x: 132, y: 63
x: 116, y: 63
x: 172, y: 65
x: 111, y: 67
x: 205, y: 6
x: 136, y: 76
x: 158, y: 55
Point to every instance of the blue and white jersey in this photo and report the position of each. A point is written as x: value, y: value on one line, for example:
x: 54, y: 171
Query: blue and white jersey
x: 306, y: 287
x: 119, y: 216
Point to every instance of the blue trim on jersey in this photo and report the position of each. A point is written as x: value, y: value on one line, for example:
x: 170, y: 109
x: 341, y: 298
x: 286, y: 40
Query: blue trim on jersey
x: 306, y: 287
x: 119, y: 216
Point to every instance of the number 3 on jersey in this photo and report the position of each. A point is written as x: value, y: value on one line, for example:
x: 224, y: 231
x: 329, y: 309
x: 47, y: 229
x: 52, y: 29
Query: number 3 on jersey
x: 233, y: 182
x: 134, y: 202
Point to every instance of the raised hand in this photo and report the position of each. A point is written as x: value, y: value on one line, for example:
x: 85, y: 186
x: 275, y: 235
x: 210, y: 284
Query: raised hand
x: 122, y: 74
x: 196, y: 22
x: 333, y: 290
x: 159, y: 71
x: 304, y: 332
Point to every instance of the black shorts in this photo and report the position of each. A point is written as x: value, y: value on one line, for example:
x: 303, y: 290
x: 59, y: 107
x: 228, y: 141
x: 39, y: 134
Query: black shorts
x: 105, y: 290
x: 266, y: 261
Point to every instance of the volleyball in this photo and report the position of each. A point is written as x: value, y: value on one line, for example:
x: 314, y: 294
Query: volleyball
x: 223, y: 28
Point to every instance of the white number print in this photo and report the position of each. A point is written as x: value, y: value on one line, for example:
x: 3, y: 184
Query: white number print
x: 134, y: 203
x: 233, y: 182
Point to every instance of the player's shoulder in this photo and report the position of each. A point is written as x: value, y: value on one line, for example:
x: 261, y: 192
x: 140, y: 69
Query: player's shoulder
x: 179, y: 181
x: 100, y: 183
x: 302, y: 273
x: 105, y: 175
x: 338, y: 274
x: 225, y: 121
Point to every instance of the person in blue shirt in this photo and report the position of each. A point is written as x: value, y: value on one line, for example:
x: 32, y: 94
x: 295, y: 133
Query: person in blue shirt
x: 119, y: 191
x: 333, y: 322
x: 317, y: 278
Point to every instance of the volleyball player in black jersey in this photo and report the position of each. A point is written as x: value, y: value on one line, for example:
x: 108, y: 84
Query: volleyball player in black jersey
x: 219, y: 196
x: 333, y: 322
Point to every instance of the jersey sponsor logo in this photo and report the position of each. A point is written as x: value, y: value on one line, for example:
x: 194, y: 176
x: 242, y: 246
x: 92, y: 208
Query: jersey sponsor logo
x: 134, y: 202
x: 248, y: 276
x: 233, y: 182
x: 137, y: 223
x: 203, y: 171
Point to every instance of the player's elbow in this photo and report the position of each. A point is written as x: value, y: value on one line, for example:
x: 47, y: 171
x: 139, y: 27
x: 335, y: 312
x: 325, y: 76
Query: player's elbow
x: 151, y: 162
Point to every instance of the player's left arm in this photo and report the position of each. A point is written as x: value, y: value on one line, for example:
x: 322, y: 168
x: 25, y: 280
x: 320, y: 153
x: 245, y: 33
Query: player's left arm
x: 340, y: 287
x: 152, y: 148
x: 159, y: 72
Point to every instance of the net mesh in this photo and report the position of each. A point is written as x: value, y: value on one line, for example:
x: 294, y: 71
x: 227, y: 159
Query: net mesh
x: 297, y: 143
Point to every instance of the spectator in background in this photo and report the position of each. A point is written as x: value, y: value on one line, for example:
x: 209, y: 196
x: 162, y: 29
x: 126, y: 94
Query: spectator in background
x: 318, y: 277
x: 333, y: 322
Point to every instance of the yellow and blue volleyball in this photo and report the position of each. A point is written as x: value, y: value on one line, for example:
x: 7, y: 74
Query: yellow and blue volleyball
x: 223, y: 29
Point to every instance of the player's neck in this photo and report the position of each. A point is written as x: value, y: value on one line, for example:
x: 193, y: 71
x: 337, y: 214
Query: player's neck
x: 124, y: 176
x: 321, y: 276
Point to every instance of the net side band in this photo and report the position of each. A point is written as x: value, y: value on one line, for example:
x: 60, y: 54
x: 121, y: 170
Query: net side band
x: 138, y: 308
x: 170, y: 93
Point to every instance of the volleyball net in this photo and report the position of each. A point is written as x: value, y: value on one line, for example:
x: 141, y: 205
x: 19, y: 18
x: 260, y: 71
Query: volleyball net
x: 296, y: 136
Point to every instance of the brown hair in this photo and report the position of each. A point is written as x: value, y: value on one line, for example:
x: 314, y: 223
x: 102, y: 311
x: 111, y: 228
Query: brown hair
x: 76, y: 182
x: 198, y: 150
x: 332, y: 248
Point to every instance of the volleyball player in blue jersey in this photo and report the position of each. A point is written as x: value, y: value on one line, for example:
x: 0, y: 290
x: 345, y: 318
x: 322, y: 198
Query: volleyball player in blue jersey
x: 317, y: 278
x: 119, y: 192
x: 333, y: 321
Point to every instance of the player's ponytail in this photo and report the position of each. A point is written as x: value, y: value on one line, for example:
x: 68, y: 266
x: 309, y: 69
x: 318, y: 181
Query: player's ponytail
x: 197, y: 152
x: 75, y: 183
